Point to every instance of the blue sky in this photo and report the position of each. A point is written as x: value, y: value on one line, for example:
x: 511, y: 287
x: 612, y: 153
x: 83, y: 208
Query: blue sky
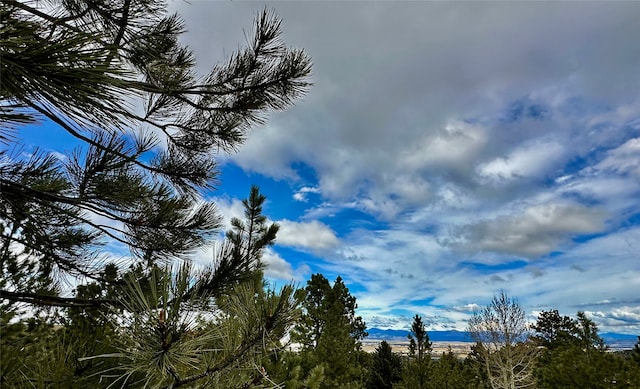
x: 447, y: 151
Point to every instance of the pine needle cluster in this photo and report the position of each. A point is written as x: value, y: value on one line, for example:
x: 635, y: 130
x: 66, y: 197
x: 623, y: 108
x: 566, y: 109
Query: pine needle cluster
x: 103, y: 232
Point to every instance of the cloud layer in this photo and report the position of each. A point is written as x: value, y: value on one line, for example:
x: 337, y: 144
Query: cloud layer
x: 449, y: 150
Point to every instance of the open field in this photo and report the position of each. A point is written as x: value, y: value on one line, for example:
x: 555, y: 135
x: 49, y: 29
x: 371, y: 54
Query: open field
x: 460, y: 349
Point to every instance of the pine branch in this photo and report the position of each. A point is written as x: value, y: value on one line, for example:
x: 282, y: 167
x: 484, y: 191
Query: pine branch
x: 56, y: 301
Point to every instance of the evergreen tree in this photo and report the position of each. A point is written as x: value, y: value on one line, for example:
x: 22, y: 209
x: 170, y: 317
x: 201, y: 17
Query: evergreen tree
x: 173, y: 327
x: 330, y: 332
x: 636, y: 351
x: 587, y: 333
x: 448, y: 372
x: 386, y: 368
x: 474, y: 362
x: 417, y: 366
x: 552, y: 330
x: 135, y: 178
x: 578, y: 358
x: 286, y: 368
x: 114, y: 76
x: 251, y: 236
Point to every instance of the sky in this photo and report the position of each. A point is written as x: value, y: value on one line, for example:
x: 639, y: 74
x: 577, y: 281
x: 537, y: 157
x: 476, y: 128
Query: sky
x: 448, y: 151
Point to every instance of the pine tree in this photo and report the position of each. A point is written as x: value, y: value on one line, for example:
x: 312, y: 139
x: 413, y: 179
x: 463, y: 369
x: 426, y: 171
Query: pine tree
x: 174, y: 326
x: 448, y: 372
x: 386, y: 368
x: 249, y: 238
x: 579, y: 359
x: 136, y: 177
x: 552, y: 330
x: 114, y: 76
x: 416, y: 372
x: 330, y: 331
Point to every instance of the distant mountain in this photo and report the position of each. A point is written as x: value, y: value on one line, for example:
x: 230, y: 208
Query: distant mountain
x: 614, y: 336
x: 613, y: 340
x: 619, y: 341
x: 434, y: 336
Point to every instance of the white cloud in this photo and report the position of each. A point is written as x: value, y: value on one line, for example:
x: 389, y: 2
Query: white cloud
x: 626, y: 314
x: 273, y: 160
x: 278, y: 268
x: 624, y: 159
x: 454, y: 147
x: 228, y: 208
x: 301, y: 194
x: 535, y: 231
x: 529, y: 161
x: 394, y: 322
x: 472, y: 307
x: 624, y: 319
x: 312, y: 235
x: 60, y: 156
x: 614, y: 192
x: 397, y: 113
x: 400, y: 269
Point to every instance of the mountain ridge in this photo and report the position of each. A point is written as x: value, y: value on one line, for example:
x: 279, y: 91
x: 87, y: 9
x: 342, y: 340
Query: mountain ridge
x: 611, y: 339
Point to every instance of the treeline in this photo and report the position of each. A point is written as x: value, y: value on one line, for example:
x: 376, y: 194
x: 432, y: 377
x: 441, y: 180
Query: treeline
x: 555, y: 352
x: 153, y: 342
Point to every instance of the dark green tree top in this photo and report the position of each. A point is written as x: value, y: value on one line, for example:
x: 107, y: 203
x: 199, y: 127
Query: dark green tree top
x: 553, y: 330
x: 330, y: 331
x: 325, y: 305
x: 587, y: 333
x: 416, y: 369
x: 386, y: 368
x: 582, y: 361
x: 419, y: 344
x: 636, y: 351
x: 251, y: 236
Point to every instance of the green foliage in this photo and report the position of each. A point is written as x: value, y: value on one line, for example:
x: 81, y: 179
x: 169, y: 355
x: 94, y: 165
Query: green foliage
x: 573, y: 367
x: 552, y: 330
x: 448, y: 372
x: 120, y: 213
x: 475, y: 362
x: 165, y: 343
x: 292, y: 370
x: 419, y: 344
x: 250, y: 237
x: 38, y: 353
x: 330, y: 332
x: 587, y: 334
x: 327, y: 306
x: 575, y: 355
x: 315, y: 378
x: 416, y: 369
x: 170, y: 327
x: 135, y: 178
x: 385, y: 369
x: 253, y: 234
